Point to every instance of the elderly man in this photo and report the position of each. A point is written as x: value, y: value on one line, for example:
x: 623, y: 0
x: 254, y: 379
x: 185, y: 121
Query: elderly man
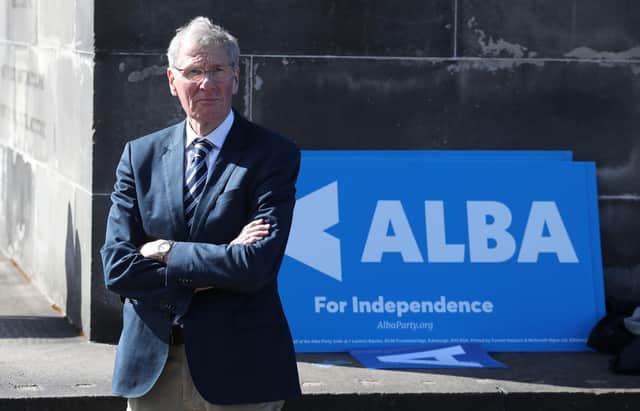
x: 196, y: 233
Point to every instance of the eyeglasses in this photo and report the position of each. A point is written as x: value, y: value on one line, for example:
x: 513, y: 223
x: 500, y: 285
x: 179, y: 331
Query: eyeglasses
x: 217, y: 74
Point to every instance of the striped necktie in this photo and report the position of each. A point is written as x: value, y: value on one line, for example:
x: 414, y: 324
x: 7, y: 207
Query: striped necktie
x: 196, y: 178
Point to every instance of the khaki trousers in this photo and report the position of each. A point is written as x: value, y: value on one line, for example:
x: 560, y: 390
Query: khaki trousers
x: 174, y: 391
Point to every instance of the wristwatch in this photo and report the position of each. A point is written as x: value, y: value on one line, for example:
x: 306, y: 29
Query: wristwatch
x: 163, y: 250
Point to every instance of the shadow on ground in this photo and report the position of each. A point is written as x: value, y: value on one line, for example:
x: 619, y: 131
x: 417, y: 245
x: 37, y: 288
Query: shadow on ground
x: 26, y: 326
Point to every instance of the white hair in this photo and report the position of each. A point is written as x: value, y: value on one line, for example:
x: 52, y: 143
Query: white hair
x: 203, y: 32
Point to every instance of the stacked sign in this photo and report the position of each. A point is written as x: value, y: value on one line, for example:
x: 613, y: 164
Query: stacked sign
x: 408, y: 248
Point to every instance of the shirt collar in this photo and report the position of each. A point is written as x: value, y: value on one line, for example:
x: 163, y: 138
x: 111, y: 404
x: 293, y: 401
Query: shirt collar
x: 217, y: 136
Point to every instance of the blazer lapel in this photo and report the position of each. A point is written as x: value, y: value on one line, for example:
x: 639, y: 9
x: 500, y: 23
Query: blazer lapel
x: 226, y: 161
x: 173, y: 169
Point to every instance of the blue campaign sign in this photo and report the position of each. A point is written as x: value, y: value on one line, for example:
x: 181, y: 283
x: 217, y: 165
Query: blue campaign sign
x: 404, y: 250
x: 448, y: 155
x: 426, y: 356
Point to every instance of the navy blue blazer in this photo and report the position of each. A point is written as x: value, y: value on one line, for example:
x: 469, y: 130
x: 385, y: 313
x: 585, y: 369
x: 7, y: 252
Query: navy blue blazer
x: 237, y: 340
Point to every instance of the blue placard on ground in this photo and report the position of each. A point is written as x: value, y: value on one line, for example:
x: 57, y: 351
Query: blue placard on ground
x: 403, y: 250
x: 426, y: 356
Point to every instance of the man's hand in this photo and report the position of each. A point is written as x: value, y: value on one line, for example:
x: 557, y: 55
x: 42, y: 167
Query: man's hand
x: 252, y: 232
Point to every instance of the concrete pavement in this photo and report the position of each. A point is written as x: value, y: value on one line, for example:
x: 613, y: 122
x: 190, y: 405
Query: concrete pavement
x: 46, y: 365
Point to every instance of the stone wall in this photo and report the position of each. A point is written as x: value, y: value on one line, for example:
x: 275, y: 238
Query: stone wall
x: 46, y: 146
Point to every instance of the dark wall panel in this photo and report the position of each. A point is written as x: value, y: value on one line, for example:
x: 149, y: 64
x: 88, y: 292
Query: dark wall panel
x: 549, y: 28
x: 619, y: 231
x: 361, y: 27
x: 355, y: 104
x: 106, y: 315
